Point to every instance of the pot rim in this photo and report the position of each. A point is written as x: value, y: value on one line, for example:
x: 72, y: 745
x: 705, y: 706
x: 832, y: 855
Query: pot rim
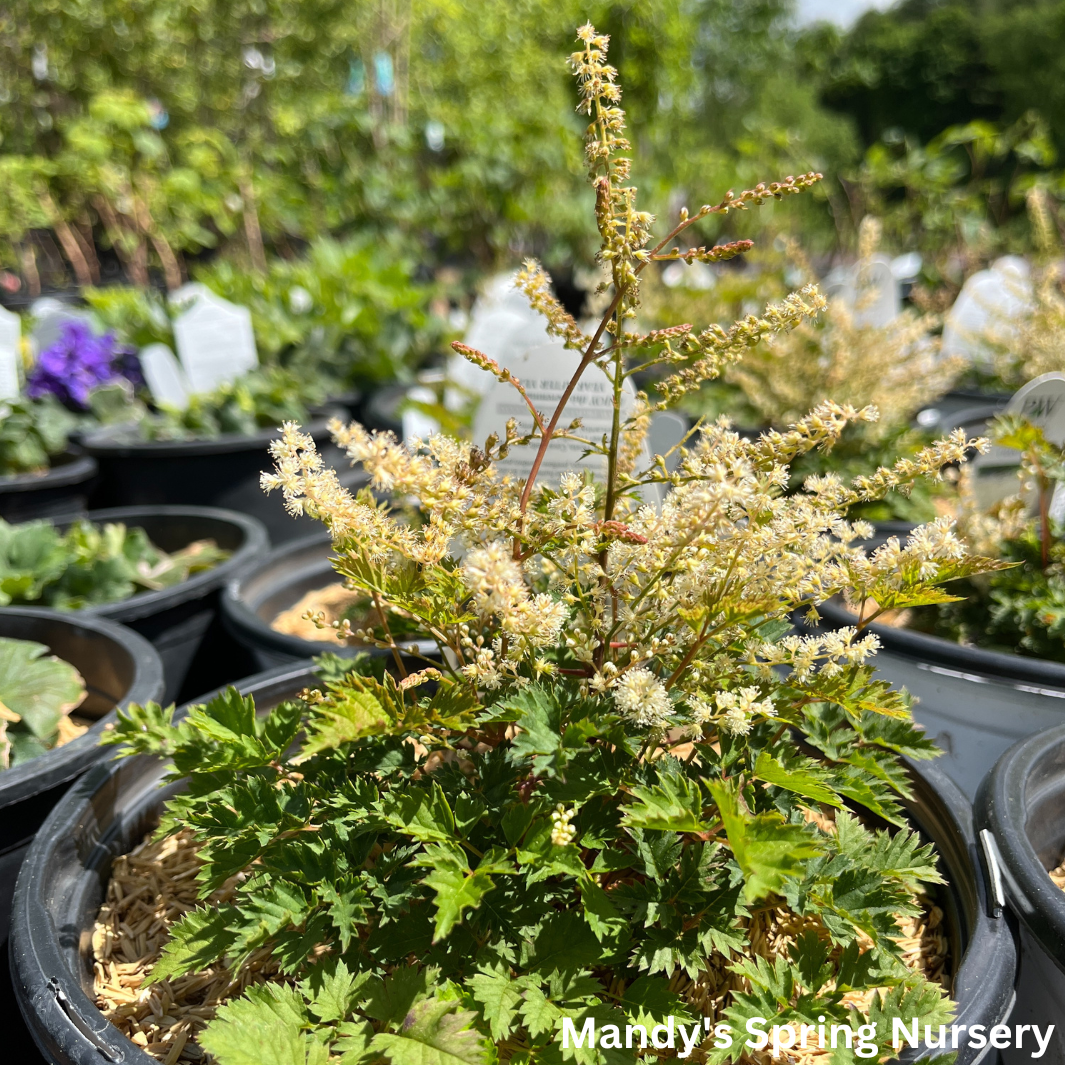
x: 1001, y: 807
x: 57, y: 1009
x: 145, y: 604
x: 243, y: 622
x: 107, y: 443
x: 76, y: 469
x: 967, y: 663
x: 61, y: 764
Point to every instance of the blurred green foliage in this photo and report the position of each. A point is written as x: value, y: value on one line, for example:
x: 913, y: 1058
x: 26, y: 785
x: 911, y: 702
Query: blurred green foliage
x: 157, y: 130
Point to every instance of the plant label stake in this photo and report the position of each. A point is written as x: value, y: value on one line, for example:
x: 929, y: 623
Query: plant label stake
x: 10, y: 336
x: 50, y: 316
x: 983, y: 316
x: 215, y: 342
x: 504, y: 327
x: 166, y: 380
x: 545, y: 371
x: 1042, y: 402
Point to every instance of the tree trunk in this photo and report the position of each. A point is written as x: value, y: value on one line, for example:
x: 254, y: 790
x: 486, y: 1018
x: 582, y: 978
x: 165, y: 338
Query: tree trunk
x: 71, y: 247
x: 252, y: 230
x: 82, y: 231
x: 136, y: 263
x: 29, y: 267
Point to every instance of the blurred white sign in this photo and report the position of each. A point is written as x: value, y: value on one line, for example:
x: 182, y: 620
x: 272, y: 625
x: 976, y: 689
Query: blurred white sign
x: 215, y: 342
x: 544, y: 372
x: 1042, y: 402
x: 10, y: 338
x: 166, y: 380
x: 869, y: 289
x: 985, y: 314
x: 49, y: 317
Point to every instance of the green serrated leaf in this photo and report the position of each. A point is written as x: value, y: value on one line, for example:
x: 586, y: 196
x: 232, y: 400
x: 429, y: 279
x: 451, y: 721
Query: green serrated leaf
x: 457, y: 888
x: 264, y: 1027
x: 435, y: 1033
x: 765, y: 847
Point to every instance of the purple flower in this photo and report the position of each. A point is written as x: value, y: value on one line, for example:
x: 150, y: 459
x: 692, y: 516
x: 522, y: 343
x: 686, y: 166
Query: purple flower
x: 76, y: 363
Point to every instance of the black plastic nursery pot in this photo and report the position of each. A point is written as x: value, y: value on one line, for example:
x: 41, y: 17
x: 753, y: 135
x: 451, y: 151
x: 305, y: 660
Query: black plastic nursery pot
x: 63, y: 489
x: 104, y: 815
x: 64, y: 880
x: 973, y: 703
x: 118, y: 667
x: 251, y: 601
x: 221, y: 472
x: 181, y: 622
x: 1022, y: 805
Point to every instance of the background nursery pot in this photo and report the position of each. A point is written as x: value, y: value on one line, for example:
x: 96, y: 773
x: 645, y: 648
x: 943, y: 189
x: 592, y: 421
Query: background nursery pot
x: 106, y: 817
x: 973, y: 703
x: 178, y: 620
x: 65, y: 877
x: 219, y: 472
x: 64, y: 489
x: 251, y: 601
x: 118, y: 667
x: 1022, y: 803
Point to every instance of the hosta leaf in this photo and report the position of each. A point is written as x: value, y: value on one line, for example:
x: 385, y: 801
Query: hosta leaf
x: 38, y: 687
x: 264, y: 1027
x: 435, y: 1033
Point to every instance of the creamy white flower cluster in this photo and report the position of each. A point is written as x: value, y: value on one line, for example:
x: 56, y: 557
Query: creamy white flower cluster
x: 498, y: 587
x: 825, y: 654
x: 643, y: 698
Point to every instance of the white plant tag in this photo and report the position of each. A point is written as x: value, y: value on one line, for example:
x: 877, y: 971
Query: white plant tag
x: 1042, y: 402
x: 985, y: 314
x: 50, y: 316
x: 869, y: 289
x: 417, y: 425
x: 10, y: 338
x: 544, y: 372
x: 166, y: 380
x: 215, y: 342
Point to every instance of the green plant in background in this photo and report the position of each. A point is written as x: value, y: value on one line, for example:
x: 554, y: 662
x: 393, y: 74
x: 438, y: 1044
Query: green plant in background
x: 1021, y: 608
x: 37, y: 694
x: 90, y: 564
x: 254, y: 128
x: 591, y: 805
x: 353, y: 310
x: 32, y: 434
x: 258, y: 400
x: 137, y: 316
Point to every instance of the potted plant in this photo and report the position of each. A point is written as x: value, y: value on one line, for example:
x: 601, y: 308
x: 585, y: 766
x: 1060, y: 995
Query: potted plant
x: 51, y: 667
x: 40, y: 475
x: 210, y: 454
x: 887, y: 371
x: 622, y: 796
x: 158, y: 570
x: 1021, y: 806
x: 999, y: 640
x: 272, y: 608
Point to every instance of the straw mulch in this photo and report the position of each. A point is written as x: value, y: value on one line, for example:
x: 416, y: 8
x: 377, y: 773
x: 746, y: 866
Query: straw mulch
x: 155, y: 884
x: 333, y: 602
x: 150, y: 889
